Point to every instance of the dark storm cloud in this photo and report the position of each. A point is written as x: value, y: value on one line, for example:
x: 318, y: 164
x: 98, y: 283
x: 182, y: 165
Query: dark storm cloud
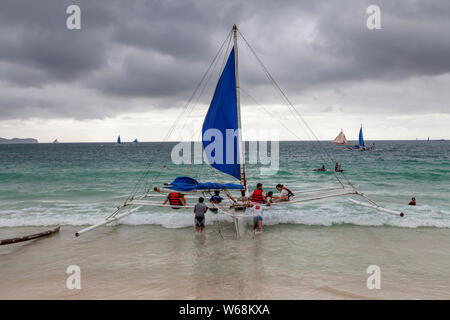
x: 410, y: 42
x: 158, y: 50
x: 33, y: 35
x: 147, y: 74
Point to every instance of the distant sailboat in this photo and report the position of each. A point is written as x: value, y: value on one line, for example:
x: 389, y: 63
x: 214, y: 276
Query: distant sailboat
x: 361, y: 143
x: 428, y: 139
x: 55, y: 141
x: 135, y: 141
x: 118, y: 140
x: 341, y: 139
x: 361, y: 138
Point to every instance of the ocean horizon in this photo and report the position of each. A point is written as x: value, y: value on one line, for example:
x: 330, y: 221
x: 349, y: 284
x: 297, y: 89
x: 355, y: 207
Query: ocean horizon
x: 351, y: 142
x: 81, y: 183
x: 316, y: 249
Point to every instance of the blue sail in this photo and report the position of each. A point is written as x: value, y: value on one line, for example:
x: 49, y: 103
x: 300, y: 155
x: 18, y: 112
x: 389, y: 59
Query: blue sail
x: 118, y: 140
x: 222, y: 116
x: 135, y: 141
x: 361, y: 139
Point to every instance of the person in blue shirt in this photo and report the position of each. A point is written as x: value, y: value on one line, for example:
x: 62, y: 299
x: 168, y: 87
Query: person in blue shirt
x: 215, y: 199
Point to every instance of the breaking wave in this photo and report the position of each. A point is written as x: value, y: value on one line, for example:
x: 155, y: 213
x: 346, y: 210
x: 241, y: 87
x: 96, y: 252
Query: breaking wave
x: 323, y: 214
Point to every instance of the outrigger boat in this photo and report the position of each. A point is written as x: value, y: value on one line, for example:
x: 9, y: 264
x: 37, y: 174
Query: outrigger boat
x: 361, y: 146
x: 224, y: 114
x: 341, y: 139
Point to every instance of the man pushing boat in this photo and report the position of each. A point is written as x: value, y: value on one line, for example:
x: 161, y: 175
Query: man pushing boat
x: 257, y: 211
x: 200, y: 210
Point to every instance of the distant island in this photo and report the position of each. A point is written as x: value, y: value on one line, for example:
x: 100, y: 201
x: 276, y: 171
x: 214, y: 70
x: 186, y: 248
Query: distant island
x: 17, y: 141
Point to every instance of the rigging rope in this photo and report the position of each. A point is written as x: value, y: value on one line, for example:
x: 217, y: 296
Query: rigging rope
x: 196, y: 95
x: 188, y: 104
x: 289, y: 103
x: 145, y: 177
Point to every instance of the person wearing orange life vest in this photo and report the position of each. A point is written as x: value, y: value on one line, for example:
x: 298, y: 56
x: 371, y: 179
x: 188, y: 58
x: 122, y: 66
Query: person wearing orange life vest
x: 175, y: 199
x: 258, y: 195
x: 285, y: 193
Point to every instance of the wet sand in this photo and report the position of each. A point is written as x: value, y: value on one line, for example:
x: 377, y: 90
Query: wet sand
x: 285, y: 262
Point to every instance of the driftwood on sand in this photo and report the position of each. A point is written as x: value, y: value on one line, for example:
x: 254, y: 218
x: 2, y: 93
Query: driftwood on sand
x: 29, y: 237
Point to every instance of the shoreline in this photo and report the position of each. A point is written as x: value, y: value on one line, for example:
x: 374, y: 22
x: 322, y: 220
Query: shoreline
x: 285, y: 262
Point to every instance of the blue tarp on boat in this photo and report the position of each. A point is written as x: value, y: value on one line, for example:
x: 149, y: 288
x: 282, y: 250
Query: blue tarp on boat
x: 189, y: 184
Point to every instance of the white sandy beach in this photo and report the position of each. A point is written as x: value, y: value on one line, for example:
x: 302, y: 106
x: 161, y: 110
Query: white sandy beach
x: 285, y: 262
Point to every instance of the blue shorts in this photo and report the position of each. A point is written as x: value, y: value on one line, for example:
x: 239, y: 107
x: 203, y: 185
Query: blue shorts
x: 257, y: 218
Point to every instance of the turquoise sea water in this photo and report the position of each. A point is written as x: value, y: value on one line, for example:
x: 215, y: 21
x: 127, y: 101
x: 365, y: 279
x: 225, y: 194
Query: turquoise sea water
x: 78, y: 184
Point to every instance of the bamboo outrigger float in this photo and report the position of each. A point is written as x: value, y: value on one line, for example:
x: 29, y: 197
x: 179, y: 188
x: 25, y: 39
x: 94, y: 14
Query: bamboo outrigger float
x: 224, y: 113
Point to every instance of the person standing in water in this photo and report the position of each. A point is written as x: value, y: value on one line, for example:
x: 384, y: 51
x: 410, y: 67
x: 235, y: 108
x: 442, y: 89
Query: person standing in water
x: 412, y: 202
x: 257, y: 211
x: 200, y: 210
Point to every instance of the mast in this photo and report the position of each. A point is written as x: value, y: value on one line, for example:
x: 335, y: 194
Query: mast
x: 238, y: 106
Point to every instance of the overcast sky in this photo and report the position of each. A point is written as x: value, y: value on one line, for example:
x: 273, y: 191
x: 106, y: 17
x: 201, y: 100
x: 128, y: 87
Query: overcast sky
x: 134, y: 64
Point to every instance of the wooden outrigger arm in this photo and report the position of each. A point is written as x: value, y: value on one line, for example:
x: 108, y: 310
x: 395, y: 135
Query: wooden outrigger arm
x: 378, y: 208
x: 115, y: 216
x: 307, y: 196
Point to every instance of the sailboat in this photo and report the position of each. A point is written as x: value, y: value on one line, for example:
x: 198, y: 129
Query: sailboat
x: 224, y: 114
x: 341, y: 139
x: 135, y: 141
x: 361, y: 143
x: 118, y: 140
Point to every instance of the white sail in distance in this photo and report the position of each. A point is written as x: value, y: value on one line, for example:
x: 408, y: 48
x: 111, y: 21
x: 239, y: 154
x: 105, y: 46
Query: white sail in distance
x: 341, y: 139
